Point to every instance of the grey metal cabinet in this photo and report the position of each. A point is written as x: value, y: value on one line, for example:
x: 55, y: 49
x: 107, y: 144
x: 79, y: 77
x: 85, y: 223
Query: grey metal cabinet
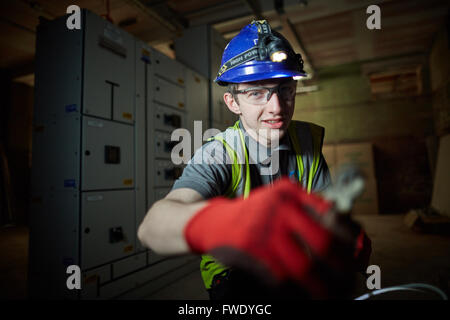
x: 107, y: 226
x: 101, y: 157
x: 107, y: 155
x: 108, y: 64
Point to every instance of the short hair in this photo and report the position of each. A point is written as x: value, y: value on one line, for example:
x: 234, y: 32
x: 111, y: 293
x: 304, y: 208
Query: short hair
x: 232, y: 87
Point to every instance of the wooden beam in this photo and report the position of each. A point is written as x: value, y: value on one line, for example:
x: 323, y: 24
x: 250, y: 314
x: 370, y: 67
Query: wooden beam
x: 255, y: 8
x: 154, y: 15
x: 24, y: 69
x: 288, y: 31
x: 294, y: 38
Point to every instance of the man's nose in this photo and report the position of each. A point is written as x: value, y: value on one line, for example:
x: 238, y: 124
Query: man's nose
x: 275, y: 103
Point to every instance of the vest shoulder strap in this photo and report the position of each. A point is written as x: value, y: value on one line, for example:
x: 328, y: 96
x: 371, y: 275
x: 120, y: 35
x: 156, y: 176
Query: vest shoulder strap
x: 233, y: 141
x: 307, y: 130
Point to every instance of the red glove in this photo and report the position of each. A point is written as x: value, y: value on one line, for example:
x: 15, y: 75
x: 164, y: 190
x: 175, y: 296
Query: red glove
x: 279, y: 233
x: 362, y: 251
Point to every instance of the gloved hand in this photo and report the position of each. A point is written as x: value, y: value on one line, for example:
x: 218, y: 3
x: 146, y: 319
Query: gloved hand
x: 279, y: 233
x: 363, y: 250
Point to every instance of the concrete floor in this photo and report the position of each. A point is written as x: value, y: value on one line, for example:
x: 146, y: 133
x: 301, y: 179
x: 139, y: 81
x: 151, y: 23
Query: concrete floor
x: 190, y: 287
x: 404, y: 256
x: 13, y: 262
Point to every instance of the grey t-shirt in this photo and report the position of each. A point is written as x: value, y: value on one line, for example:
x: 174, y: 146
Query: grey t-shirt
x: 209, y: 172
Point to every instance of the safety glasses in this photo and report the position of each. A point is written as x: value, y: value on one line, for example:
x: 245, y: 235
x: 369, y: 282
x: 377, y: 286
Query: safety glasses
x: 261, y: 95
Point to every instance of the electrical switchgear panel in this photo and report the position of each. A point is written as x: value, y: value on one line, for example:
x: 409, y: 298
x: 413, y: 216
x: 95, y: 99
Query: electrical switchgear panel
x: 105, y: 108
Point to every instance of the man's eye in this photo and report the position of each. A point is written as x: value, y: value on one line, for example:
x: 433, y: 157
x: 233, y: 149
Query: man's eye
x: 254, y: 93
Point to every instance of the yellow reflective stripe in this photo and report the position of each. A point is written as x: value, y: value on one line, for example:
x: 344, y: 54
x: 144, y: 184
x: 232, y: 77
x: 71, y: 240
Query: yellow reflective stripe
x: 235, y: 168
x: 300, y: 167
x: 209, y: 267
x: 317, y: 136
x: 247, y: 167
x: 313, y: 170
x: 310, y: 177
x: 296, y: 145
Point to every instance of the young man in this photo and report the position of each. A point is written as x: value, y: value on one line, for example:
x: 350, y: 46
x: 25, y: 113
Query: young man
x: 279, y: 240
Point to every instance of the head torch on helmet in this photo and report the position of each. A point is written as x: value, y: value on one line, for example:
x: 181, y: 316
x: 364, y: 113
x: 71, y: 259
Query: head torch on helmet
x: 272, y: 54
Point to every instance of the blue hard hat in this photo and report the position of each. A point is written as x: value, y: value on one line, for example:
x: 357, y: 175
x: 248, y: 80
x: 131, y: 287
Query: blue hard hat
x: 258, y: 53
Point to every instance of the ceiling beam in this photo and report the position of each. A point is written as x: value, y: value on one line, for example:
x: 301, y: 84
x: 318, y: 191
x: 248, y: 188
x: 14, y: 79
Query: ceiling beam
x: 173, y: 28
x: 294, y: 38
x: 219, y: 13
x: 166, y: 12
x: 287, y: 29
x: 17, y: 25
x: 23, y: 69
x: 255, y: 8
x: 317, y: 9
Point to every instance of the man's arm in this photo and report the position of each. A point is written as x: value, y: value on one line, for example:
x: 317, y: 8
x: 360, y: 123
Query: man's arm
x: 163, y: 226
x: 206, y: 176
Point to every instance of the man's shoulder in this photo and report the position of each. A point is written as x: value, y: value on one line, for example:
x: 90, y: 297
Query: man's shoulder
x: 226, y: 135
x: 211, y: 152
x: 309, y: 135
x: 227, y: 138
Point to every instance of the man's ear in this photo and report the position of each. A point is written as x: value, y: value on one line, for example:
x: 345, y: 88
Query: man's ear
x: 231, y: 103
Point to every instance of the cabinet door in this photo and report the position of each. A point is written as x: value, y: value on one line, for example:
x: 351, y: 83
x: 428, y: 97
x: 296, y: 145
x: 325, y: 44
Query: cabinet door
x: 197, y: 107
x: 107, y: 155
x: 163, y: 145
x: 167, y: 119
x: 168, y: 94
x: 108, y: 67
x: 168, y: 68
x: 108, y: 226
x: 165, y: 173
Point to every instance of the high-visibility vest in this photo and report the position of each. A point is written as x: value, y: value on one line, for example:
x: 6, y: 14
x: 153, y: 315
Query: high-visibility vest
x: 209, y: 267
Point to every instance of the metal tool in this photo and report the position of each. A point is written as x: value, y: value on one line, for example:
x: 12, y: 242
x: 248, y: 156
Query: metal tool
x: 348, y: 186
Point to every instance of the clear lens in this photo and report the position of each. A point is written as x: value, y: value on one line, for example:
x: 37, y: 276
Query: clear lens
x: 256, y: 96
x: 261, y: 95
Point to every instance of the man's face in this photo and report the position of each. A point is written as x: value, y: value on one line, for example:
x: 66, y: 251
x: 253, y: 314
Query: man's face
x: 265, y: 121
